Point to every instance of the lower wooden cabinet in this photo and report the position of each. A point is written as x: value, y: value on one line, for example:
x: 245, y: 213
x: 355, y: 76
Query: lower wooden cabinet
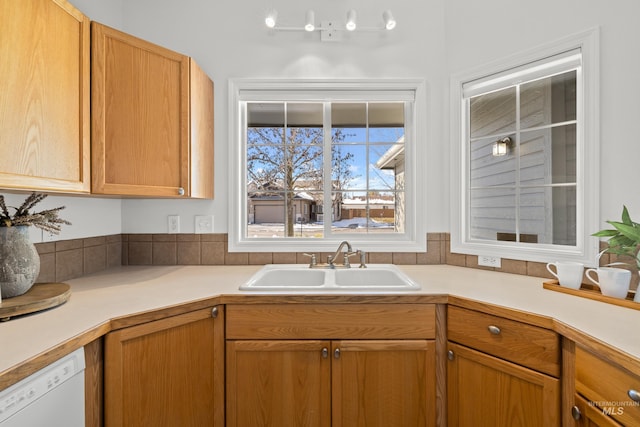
x: 343, y: 365
x: 331, y: 383
x: 484, y: 390
x: 383, y: 383
x: 168, y: 372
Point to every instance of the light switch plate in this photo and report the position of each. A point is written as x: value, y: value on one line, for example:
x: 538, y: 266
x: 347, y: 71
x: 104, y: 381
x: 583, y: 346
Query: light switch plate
x: 204, y: 224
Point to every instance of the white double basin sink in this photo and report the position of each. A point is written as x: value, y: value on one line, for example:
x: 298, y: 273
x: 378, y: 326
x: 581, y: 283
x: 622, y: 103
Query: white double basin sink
x: 300, y: 278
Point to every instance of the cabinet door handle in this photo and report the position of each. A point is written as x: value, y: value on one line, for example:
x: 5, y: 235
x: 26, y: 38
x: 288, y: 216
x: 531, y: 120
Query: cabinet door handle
x: 214, y: 312
x: 336, y: 353
x: 494, y: 329
x: 634, y: 395
x: 325, y: 352
x: 180, y: 191
x: 450, y: 355
x: 575, y: 413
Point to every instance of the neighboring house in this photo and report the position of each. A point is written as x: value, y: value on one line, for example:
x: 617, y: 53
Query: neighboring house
x: 266, y: 204
x: 393, y: 159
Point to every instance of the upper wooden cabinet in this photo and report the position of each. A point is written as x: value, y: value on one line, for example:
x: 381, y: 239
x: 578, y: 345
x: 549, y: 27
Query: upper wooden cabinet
x: 44, y: 96
x: 152, y: 119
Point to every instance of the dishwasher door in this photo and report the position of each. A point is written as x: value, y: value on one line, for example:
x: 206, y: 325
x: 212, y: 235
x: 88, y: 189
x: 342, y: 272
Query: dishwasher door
x: 51, y: 397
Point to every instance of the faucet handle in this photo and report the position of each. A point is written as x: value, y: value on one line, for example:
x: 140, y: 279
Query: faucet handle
x: 346, y: 262
x: 312, y: 262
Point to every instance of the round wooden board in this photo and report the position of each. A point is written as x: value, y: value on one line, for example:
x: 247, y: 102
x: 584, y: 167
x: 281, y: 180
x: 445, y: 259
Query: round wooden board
x: 41, y: 296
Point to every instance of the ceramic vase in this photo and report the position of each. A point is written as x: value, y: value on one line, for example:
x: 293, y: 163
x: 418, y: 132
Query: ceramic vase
x: 19, y: 261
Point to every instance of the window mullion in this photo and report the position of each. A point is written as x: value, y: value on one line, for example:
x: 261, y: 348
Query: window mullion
x: 518, y: 157
x: 327, y: 204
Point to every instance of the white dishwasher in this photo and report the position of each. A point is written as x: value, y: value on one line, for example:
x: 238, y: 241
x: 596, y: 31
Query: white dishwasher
x: 52, y: 397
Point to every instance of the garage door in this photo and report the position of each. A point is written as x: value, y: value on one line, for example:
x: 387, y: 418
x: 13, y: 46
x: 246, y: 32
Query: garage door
x: 269, y: 213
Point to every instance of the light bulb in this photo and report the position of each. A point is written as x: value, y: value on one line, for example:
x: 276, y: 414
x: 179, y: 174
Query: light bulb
x: 389, y: 21
x: 310, y: 21
x: 270, y: 20
x: 351, y: 20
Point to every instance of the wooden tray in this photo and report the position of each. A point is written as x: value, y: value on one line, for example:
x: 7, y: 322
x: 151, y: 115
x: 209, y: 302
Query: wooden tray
x: 591, y: 292
x: 41, y: 296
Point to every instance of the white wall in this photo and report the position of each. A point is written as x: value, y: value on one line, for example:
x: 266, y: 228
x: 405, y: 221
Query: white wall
x: 434, y: 39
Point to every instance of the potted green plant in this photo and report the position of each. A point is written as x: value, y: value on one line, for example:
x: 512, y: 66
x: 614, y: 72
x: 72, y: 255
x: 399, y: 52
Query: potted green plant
x: 19, y: 259
x: 624, y: 238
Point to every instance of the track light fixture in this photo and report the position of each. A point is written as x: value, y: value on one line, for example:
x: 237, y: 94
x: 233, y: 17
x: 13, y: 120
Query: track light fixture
x: 310, y: 21
x: 330, y: 30
x: 351, y: 20
x: 389, y: 21
x: 271, y: 18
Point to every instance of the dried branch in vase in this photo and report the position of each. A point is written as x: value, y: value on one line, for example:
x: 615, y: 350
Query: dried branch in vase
x: 47, y: 220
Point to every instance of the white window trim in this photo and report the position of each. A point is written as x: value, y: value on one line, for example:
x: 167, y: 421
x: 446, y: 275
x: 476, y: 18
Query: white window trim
x: 414, y: 238
x: 588, y: 166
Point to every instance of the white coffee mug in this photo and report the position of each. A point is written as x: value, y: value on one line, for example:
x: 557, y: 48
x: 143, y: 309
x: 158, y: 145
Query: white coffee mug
x: 568, y: 273
x: 613, y: 282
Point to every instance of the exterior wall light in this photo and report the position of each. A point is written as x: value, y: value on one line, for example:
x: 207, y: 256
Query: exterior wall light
x: 501, y: 147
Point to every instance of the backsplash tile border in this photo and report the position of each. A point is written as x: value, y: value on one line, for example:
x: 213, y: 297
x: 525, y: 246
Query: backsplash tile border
x: 69, y: 259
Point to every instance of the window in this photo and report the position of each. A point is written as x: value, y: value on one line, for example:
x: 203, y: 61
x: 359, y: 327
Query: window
x: 527, y: 154
x: 321, y: 162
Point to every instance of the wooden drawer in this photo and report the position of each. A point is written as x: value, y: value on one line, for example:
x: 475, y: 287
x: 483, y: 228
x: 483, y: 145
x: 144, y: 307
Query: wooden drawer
x: 531, y: 346
x: 607, y: 386
x: 331, y: 321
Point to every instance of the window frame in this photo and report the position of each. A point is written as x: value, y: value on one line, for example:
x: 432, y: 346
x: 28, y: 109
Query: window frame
x: 587, y: 146
x: 242, y: 90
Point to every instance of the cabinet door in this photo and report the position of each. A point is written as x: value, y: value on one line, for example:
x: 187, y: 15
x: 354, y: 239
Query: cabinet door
x: 168, y: 372
x: 44, y: 96
x: 140, y: 116
x: 383, y: 383
x: 278, y: 383
x: 486, y: 391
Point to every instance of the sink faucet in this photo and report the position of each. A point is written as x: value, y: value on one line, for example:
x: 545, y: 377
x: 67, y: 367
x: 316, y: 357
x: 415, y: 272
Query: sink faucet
x: 347, y: 254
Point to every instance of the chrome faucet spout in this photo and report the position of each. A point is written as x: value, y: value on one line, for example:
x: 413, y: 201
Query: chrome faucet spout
x: 344, y: 243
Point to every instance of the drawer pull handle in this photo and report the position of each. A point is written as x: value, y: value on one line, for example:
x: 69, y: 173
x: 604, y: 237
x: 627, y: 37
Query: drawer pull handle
x: 575, y: 413
x: 494, y: 330
x: 634, y: 395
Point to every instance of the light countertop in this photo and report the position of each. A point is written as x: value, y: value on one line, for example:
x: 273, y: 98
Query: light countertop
x: 123, y: 291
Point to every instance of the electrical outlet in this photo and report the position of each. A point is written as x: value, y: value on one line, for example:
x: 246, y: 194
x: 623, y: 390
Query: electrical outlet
x: 489, y: 261
x: 173, y: 223
x: 204, y: 224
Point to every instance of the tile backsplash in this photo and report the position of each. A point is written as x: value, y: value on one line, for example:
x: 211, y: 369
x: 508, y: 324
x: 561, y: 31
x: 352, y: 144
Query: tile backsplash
x: 68, y: 259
